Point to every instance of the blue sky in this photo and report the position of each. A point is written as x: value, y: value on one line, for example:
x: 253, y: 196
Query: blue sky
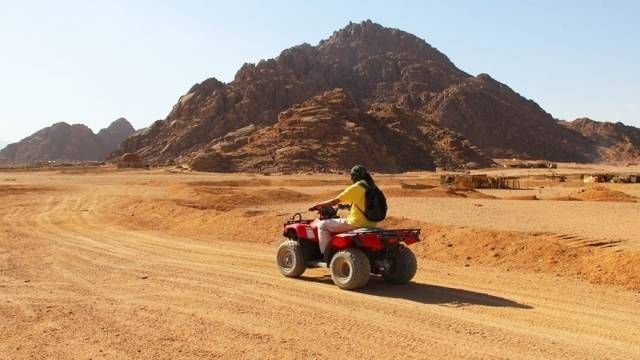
x: 92, y: 62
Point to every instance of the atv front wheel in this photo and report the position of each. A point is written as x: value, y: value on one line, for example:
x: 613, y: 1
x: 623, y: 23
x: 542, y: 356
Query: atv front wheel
x: 290, y: 259
x: 350, y: 269
x: 403, y: 266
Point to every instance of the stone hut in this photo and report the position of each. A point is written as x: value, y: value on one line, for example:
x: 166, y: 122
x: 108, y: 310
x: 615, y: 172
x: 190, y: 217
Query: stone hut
x: 130, y: 160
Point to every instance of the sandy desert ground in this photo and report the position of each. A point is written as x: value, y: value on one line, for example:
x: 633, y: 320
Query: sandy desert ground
x: 160, y: 264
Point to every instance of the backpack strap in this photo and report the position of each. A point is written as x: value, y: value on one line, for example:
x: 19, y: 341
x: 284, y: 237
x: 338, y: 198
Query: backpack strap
x: 364, y: 184
x: 366, y: 187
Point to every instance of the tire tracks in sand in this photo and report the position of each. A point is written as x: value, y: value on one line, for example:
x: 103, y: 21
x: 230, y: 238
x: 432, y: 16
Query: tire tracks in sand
x: 102, y: 289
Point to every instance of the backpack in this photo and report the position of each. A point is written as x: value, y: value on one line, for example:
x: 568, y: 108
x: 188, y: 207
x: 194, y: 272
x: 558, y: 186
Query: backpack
x: 375, y: 203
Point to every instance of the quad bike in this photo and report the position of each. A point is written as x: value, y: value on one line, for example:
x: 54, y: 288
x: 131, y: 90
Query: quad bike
x: 353, y: 255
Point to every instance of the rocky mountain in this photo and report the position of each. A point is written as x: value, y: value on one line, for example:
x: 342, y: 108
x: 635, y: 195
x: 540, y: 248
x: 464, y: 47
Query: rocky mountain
x: 387, y: 76
x: 613, y: 141
x: 3, y: 144
x: 65, y: 142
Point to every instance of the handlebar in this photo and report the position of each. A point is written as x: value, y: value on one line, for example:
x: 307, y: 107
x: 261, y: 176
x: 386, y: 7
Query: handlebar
x: 339, y: 207
x: 329, y: 212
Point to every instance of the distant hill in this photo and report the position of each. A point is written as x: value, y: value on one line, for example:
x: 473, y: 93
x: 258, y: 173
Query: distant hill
x: 613, y: 141
x: 112, y: 136
x: 64, y: 142
x: 3, y: 144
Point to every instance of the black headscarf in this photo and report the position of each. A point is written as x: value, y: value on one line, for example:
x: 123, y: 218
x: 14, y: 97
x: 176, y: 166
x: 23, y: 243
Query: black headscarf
x: 359, y: 173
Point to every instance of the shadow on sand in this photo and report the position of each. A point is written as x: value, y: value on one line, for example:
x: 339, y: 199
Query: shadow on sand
x: 428, y: 294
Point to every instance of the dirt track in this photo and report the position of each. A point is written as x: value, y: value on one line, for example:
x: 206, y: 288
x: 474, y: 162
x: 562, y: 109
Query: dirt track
x: 76, y: 281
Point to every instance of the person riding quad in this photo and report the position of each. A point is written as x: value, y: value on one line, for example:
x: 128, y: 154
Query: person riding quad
x: 354, y: 195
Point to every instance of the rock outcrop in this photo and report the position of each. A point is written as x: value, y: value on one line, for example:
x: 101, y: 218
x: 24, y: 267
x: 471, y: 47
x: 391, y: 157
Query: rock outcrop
x: 329, y: 132
x: 64, y: 142
x: 613, y: 141
x: 385, y: 73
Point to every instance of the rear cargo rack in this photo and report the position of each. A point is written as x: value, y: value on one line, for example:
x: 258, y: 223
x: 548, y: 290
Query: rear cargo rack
x: 406, y: 235
x: 394, y: 232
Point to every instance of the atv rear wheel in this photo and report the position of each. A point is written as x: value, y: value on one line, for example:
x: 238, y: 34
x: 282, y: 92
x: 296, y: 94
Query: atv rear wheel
x: 403, y: 266
x: 350, y: 269
x: 290, y: 259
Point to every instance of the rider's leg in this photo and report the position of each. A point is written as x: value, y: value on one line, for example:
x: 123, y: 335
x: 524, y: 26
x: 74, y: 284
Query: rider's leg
x: 326, y: 227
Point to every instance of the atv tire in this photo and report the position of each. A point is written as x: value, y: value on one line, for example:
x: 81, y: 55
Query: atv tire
x: 403, y: 268
x: 350, y: 269
x: 290, y: 259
